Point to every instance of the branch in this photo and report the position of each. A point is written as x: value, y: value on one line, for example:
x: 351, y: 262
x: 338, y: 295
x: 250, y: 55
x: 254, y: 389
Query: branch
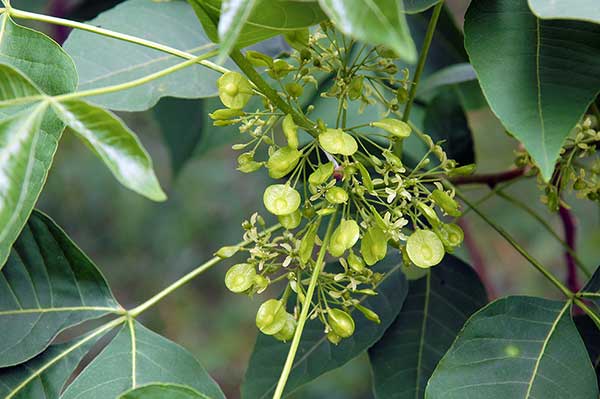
x: 490, y: 179
x: 570, y: 228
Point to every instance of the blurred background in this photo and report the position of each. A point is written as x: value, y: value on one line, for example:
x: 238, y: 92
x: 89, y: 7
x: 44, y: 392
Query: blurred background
x: 142, y: 246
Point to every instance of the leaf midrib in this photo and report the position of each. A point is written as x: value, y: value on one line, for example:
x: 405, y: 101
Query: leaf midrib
x: 543, y: 349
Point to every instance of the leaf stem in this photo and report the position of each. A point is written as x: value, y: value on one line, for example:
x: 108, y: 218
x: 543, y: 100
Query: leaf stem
x: 422, y: 58
x: 135, y: 82
x: 271, y: 94
x: 188, y: 277
x: 13, y: 12
x: 570, y: 229
x: 490, y: 179
x: 541, y: 268
x: 289, y: 362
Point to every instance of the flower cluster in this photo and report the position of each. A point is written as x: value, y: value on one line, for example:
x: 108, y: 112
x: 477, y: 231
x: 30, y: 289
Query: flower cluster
x: 351, y: 179
x: 578, y: 167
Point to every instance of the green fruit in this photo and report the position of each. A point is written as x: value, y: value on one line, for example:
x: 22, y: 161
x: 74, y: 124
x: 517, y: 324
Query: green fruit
x: 271, y: 317
x: 336, y: 195
x: 307, y: 244
x: 291, y: 221
x: 450, y: 234
x: 424, y: 248
x: 240, y: 277
x: 288, y: 330
x: 356, y: 263
x: 341, y: 323
x: 322, y: 174
x: 336, y: 141
x: 395, y: 127
x: 444, y: 201
x: 234, y: 90
x: 281, y: 199
x: 290, y: 130
x: 373, y: 246
x: 344, y: 237
x: 369, y: 314
x: 283, y: 161
x: 333, y: 338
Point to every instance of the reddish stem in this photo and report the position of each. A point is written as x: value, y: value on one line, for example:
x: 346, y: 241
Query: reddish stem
x: 477, y: 258
x: 491, y: 179
x: 59, y: 8
x: 570, y: 227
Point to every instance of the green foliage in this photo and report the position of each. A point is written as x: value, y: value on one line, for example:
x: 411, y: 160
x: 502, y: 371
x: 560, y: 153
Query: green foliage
x: 50, y: 68
x: 267, y: 18
x: 363, y: 189
x: 583, y: 10
x: 49, y: 285
x: 433, y: 313
x: 539, y: 76
x: 115, y: 61
x: 163, y: 391
x: 516, y: 347
x: 375, y: 22
x: 135, y: 357
x: 117, y: 146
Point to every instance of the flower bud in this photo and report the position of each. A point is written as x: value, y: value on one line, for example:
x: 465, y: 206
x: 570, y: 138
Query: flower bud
x: 356, y: 88
x: 341, y: 323
x: 227, y: 252
x: 336, y: 141
x: 281, y: 199
x: 464, y: 170
x: 402, y: 95
x: 271, y: 317
x: 279, y: 69
x: 424, y: 248
x: 223, y: 114
x: 369, y: 314
x: 395, y: 127
x: 290, y: 131
x: 344, y: 237
x: 234, y: 90
x: 240, y: 277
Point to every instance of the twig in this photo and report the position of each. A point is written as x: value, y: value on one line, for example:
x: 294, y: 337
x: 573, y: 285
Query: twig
x: 491, y: 179
x: 569, y: 226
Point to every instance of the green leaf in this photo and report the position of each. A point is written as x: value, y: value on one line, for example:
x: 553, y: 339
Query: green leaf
x: 136, y: 357
x: 47, y: 285
x: 433, y: 313
x: 416, y: 6
x: 445, y: 120
x: 44, y: 62
x: 374, y: 22
x: 182, y: 123
x: 114, y: 61
x: 539, y: 76
x: 234, y: 14
x: 316, y: 355
x: 590, y: 333
x: 269, y: 18
x: 39, y: 378
x: 516, y: 347
x: 114, y: 143
x: 163, y: 391
x: 583, y: 10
